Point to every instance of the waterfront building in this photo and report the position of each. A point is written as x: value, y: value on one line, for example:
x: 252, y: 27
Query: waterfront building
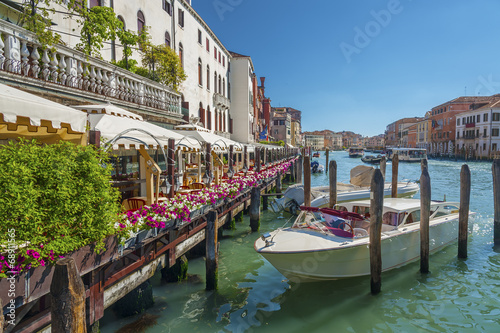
x: 477, y: 131
x: 423, y: 132
x: 295, y: 130
x: 264, y: 112
x: 315, y: 141
x: 443, y: 121
x: 396, y: 133
x: 282, y: 123
x: 351, y: 139
x: 374, y: 142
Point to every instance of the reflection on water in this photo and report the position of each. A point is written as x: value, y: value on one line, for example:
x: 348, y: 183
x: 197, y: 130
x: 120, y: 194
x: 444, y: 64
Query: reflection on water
x: 456, y: 296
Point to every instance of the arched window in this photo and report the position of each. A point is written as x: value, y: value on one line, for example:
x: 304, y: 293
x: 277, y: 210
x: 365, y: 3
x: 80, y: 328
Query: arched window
x: 220, y: 121
x: 167, y: 38
x: 216, y: 121
x: 224, y: 122
x: 201, y: 114
x: 223, y: 87
x: 141, y: 21
x: 219, y: 87
x: 208, y: 77
x: 122, y: 21
x: 181, y: 54
x: 215, y: 82
x: 200, y: 76
x: 209, y: 118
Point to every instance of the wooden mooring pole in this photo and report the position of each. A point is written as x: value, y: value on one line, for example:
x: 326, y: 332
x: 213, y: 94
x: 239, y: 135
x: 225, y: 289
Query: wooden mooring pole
x: 425, y: 213
x: 327, y: 153
x: 212, y: 255
x: 496, y: 200
x: 395, y: 166
x: 376, y: 206
x: 254, y: 210
x: 307, y: 181
x: 383, y: 166
x: 67, y: 294
x: 292, y: 171
x: 463, y: 213
x: 278, y: 184
x: 333, y: 184
x: 423, y: 164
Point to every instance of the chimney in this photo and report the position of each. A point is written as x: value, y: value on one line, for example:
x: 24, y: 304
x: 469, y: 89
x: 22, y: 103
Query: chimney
x: 262, y: 79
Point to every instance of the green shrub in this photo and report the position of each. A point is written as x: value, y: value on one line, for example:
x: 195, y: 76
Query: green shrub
x: 57, y: 198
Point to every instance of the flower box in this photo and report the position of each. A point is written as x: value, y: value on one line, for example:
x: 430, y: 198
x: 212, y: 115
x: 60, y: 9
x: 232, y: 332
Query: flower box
x: 196, y: 213
x: 170, y: 224
x: 145, y: 234
x: 128, y: 243
x: 218, y: 203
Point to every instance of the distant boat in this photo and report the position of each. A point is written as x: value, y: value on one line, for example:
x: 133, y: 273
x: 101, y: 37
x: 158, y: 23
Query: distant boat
x: 316, y: 154
x: 316, y: 167
x: 407, y: 154
x: 370, y: 159
x: 356, y: 152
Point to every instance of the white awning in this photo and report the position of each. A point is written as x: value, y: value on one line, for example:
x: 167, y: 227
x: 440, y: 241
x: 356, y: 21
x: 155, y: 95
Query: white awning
x: 27, y: 115
x: 108, y: 109
x: 111, y: 126
x: 217, y: 142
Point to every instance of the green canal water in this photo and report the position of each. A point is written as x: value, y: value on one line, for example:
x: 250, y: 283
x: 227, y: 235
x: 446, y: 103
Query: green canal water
x: 456, y: 296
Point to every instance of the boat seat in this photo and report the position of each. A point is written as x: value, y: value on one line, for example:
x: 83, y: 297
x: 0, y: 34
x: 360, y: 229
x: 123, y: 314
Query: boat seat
x: 360, y: 232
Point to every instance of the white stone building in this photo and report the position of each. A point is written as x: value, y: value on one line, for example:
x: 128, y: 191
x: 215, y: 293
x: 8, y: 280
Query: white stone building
x: 242, y: 94
x: 317, y: 142
x: 205, y: 59
x: 478, y: 131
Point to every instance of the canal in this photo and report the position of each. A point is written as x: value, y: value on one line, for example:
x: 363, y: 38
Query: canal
x: 456, y: 296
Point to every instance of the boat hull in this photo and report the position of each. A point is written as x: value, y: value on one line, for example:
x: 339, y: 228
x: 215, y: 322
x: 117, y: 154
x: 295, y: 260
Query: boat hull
x: 353, y: 259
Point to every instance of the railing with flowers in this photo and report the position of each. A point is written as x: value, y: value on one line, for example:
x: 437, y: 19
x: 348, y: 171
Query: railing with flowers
x: 181, y: 207
x: 20, y: 54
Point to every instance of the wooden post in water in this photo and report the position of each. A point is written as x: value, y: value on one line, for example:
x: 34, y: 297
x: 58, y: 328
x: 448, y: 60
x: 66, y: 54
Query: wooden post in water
x: 376, y: 206
x: 212, y: 255
x: 208, y: 163
x: 395, y: 165
x: 292, y: 172
x: 265, y: 197
x: 463, y: 214
x: 231, y: 160
x: 254, y: 210
x: 257, y: 159
x: 1, y: 317
x: 383, y: 166
x: 333, y: 184
x: 67, y: 294
x: 307, y: 181
x: 278, y: 184
x: 299, y: 169
x: 327, y: 153
x: 245, y: 159
x: 425, y: 212
x: 423, y: 164
x: 496, y: 200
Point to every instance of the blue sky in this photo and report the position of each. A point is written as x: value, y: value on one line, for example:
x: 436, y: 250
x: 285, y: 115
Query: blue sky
x: 359, y: 65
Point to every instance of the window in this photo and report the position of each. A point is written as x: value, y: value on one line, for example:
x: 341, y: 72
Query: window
x: 181, y: 54
x: 167, y: 7
x: 208, y: 45
x: 219, y: 57
x: 141, y: 22
x: 478, y: 119
x: 477, y: 133
x: 485, y: 134
x: 463, y: 121
x: 485, y: 117
x: 209, y: 118
x: 494, y: 132
x: 219, y: 87
x: 215, y: 53
x: 208, y: 77
x: 180, y: 18
x: 122, y: 21
x: 94, y: 3
x: 496, y: 116
x: 167, y: 38
x: 199, y: 37
x: 458, y: 121
x: 494, y: 147
x: 223, y: 87
x: 200, y: 76
x: 215, y: 82
x: 224, y: 61
x: 484, y: 146
x: 458, y: 135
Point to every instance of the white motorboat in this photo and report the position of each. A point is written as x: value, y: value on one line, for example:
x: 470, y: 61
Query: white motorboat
x: 327, y: 244
x: 356, y: 152
x: 293, y: 197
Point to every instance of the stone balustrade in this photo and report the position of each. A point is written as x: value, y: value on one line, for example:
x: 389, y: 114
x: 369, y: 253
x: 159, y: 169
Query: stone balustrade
x: 221, y: 101
x: 21, y: 54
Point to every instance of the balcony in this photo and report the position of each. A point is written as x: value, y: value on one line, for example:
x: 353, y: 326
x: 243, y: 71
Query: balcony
x: 469, y: 125
x: 221, y: 101
x: 69, y: 73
